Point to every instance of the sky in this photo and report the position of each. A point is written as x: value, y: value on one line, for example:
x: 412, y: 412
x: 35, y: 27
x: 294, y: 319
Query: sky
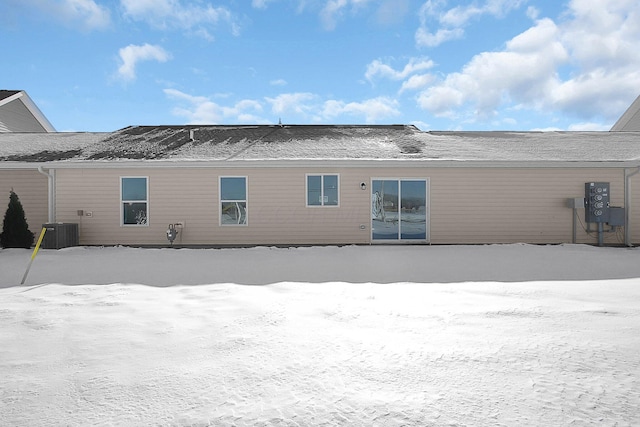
x: 101, y: 65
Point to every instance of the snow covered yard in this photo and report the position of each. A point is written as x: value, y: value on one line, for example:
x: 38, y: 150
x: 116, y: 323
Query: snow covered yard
x: 375, y: 336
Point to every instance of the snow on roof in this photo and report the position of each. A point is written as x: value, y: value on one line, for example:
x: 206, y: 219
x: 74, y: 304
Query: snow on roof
x: 44, y: 147
x: 316, y: 142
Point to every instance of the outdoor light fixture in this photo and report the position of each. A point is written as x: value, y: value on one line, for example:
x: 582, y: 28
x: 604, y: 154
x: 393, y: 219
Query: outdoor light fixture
x: 363, y: 185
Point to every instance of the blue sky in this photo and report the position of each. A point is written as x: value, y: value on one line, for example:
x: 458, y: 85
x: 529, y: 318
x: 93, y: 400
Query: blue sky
x: 101, y: 65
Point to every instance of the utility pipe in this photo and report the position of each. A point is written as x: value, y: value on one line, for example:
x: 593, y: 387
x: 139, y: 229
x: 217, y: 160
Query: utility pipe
x: 627, y: 204
x: 50, y: 174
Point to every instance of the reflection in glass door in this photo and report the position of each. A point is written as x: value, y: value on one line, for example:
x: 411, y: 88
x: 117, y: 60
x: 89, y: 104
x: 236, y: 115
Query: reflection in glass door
x: 399, y: 209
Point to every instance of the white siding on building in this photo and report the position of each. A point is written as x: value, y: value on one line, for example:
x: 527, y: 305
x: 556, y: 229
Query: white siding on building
x: 630, y: 120
x: 18, y: 113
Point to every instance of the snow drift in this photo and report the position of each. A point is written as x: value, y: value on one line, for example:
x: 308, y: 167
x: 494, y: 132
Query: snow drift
x: 389, y: 336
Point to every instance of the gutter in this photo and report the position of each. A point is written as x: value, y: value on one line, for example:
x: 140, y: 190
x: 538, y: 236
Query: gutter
x: 329, y: 162
x: 50, y: 174
x: 627, y: 203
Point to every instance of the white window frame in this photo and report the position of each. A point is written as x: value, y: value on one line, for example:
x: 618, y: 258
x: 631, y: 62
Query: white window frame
x: 322, y: 204
x: 245, y: 201
x: 122, y: 202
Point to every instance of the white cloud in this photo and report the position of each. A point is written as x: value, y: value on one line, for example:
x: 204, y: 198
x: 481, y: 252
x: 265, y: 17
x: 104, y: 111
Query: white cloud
x: 202, y: 110
x: 533, y: 13
x: 450, y: 23
x: 278, y: 82
x: 295, y: 103
x: 167, y: 14
x: 409, y: 73
x: 379, y: 68
x: 425, y: 38
x: 331, y: 12
x: 523, y: 72
x: 417, y: 82
x: 291, y: 107
x: 372, y: 110
x: 308, y: 106
x: 588, y: 127
x: 421, y: 125
x: 442, y: 100
x: 85, y: 14
x: 460, y: 15
x: 132, y: 54
x: 334, y: 9
x: 586, y: 64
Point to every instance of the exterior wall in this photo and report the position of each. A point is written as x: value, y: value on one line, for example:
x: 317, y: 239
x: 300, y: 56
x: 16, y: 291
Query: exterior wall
x: 16, y: 117
x: 466, y: 205
x: 487, y: 205
x: 32, y: 189
x: 634, y: 211
x: 277, y: 212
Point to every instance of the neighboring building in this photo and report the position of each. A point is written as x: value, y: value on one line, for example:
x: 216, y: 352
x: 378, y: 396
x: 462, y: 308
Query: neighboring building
x: 320, y: 184
x: 18, y: 113
x: 630, y: 120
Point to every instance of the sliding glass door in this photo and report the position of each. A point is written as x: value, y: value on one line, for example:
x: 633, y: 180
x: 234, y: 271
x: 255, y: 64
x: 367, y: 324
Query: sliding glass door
x: 399, y: 209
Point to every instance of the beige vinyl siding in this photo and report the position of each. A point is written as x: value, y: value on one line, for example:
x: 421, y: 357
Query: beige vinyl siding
x: 486, y: 205
x: 465, y: 205
x: 277, y: 211
x: 32, y: 189
x: 174, y: 195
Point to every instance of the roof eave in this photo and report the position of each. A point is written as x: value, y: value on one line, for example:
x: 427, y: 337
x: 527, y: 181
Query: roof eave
x: 321, y: 163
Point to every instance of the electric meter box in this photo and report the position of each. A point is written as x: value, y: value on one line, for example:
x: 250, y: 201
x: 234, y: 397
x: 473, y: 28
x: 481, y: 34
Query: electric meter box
x: 616, y: 216
x: 596, y: 198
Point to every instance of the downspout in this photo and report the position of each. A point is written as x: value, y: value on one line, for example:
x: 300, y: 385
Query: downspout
x: 627, y: 203
x: 50, y: 174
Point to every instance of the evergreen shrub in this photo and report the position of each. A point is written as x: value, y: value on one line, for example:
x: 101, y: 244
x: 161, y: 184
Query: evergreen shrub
x: 15, y: 230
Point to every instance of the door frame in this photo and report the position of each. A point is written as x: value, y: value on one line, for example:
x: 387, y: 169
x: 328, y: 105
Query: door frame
x: 399, y: 240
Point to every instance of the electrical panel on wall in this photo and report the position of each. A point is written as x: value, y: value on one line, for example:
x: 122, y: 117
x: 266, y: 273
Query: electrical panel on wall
x: 596, y: 196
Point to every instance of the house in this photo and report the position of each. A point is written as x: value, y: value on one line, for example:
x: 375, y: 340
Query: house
x: 220, y: 185
x: 18, y: 113
x: 630, y: 120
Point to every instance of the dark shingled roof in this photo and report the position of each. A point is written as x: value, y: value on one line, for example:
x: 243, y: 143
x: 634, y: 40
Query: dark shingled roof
x: 230, y: 143
x: 7, y: 93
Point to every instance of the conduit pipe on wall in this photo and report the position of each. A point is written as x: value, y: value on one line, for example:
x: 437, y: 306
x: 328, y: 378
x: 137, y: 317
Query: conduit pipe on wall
x: 50, y: 174
x: 627, y: 203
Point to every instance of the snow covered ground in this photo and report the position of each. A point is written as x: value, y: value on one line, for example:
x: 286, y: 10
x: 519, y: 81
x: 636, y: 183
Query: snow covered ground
x: 373, y: 336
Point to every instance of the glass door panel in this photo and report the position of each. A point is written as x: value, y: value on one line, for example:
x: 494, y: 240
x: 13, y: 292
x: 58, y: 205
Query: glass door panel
x: 399, y: 209
x: 384, y: 210
x: 413, y: 210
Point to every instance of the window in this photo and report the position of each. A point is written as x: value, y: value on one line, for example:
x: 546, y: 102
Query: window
x: 322, y: 190
x: 134, y: 200
x: 233, y: 200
